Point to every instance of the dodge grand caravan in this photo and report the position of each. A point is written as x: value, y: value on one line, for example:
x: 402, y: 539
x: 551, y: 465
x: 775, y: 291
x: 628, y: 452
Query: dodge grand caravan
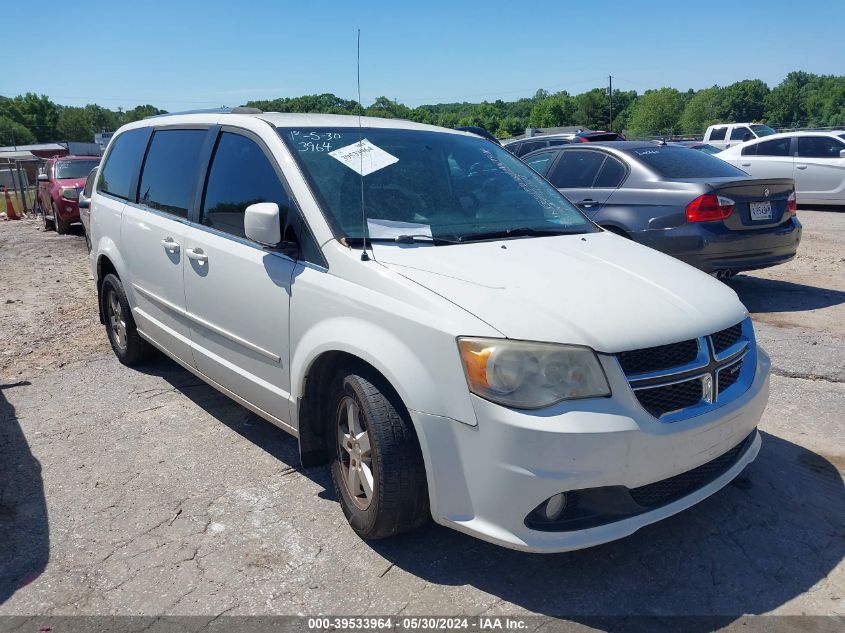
x: 431, y: 318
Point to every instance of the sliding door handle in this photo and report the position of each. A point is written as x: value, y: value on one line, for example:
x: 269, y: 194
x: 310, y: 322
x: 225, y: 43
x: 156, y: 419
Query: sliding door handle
x: 197, y: 254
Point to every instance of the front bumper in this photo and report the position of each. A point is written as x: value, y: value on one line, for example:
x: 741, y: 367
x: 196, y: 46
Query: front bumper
x: 713, y: 247
x: 484, y: 480
x: 68, y: 209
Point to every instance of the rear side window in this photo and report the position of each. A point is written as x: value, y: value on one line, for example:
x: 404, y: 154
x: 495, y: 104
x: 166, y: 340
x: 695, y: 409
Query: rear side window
x: 240, y: 175
x: 540, y: 162
x: 611, y: 174
x: 818, y: 147
x: 678, y: 162
x: 121, y: 167
x: 169, y: 178
x: 777, y: 147
x: 576, y: 169
x: 739, y: 133
x: 718, y: 133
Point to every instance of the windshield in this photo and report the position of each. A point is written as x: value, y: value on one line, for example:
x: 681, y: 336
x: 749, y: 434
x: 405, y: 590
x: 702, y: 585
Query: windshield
x: 762, y: 130
x: 679, y: 162
x: 74, y: 168
x: 448, y: 186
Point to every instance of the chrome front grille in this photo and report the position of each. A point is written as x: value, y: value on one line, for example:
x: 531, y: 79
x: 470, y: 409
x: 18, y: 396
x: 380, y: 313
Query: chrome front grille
x: 680, y: 380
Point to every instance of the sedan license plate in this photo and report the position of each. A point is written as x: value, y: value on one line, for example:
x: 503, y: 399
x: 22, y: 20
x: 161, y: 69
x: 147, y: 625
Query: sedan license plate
x: 761, y: 210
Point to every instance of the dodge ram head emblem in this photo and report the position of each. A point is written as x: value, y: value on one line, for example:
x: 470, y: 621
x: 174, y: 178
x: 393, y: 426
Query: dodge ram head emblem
x: 766, y: 192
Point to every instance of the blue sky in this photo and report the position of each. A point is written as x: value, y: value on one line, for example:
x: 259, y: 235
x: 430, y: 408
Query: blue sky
x: 182, y: 55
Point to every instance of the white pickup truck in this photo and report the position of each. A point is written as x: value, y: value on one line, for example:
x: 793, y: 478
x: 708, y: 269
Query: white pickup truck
x: 723, y: 135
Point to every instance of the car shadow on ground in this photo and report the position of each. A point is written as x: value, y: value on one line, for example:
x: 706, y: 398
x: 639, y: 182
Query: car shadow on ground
x: 772, y: 295
x: 763, y: 540
x: 24, y: 526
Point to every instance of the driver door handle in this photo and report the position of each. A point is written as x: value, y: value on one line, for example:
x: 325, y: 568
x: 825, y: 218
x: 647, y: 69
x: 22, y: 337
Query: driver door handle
x: 197, y: 254
x: 170, y: 244
x: 587, y: 203
x: 800, y: 167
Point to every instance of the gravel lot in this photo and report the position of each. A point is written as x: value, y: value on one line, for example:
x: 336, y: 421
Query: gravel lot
x: 147, y: 492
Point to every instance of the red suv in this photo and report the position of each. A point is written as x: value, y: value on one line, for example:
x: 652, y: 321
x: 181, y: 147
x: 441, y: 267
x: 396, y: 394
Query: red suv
x: 59, y: 184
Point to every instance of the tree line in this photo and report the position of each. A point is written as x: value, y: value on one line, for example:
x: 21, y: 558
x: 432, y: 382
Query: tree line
x: 800, y: 100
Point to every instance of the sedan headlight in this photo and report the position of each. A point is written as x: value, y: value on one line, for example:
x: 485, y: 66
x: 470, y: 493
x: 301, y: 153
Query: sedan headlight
x: 527, y: 375
x: 69, y: 193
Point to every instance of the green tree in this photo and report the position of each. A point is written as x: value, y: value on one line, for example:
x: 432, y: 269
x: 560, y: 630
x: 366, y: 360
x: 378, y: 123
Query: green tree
x: 783, y: 105
x: 141, y: 112
x: 656, y: 112
x: 704, y: 109
x: 13, y: 133
x: 75, y: 125
x: 36, y: 113
x: 554, y: 111
x: 744, y: 100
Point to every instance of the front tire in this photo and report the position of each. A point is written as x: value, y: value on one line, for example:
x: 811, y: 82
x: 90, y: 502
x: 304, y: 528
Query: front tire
x: 49, y: 224
x: 62, y: 226
x: 375, y: 459
x: 127, y: 344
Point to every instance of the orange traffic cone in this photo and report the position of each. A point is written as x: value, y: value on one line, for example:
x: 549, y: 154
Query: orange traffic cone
x: 10, y: 209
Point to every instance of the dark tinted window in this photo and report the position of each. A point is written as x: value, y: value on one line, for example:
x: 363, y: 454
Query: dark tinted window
x: 524, y: 148
x: 610, y: 174
x: 170, y: 172
x: 240, y: 175
x: 75, y: 168
x: 540, y: 162
x: 557, y: 141
x: 739, y: 133
x: 776, y: 147
x: 576, y: 169
x: 89, y: 183
x: 122, y: 163
x: 679, y: 162
x: 819, y: 147
x: 718, y: 133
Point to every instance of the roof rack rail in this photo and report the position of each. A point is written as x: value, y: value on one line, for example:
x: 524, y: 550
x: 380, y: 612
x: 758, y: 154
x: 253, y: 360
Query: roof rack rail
x: 221, y: 110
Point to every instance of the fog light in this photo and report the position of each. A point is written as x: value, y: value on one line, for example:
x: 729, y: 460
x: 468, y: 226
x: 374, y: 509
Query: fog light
x: 68, y: 209
x: 554, y: 507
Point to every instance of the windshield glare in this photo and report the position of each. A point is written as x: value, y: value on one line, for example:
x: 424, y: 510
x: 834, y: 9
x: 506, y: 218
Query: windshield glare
x: 678, y: 162
x: 453, y: 185
x: 762, y: 130
x: 74, y: 168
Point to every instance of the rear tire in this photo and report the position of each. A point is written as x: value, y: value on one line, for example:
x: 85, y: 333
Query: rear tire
x: 127, y: 344
x: 49, y: 225
x: 374, y: 456
x: 62, y: 226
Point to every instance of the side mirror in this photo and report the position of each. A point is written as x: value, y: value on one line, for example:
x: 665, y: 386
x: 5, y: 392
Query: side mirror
x: 43, y: 178
x: 84, y: 203
x: 842, y: 153
x: 262, y: 224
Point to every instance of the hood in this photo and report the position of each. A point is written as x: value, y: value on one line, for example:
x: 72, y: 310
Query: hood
x: 597, y: 289
x: 78, y: 183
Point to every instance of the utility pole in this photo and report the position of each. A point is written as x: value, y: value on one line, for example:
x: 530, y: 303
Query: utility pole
x: 610, y: 94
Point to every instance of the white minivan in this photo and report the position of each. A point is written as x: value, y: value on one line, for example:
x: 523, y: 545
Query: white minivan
x: 432, y: 318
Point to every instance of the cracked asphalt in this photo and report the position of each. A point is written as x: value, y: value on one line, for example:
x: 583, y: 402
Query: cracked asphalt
x: 127, y: 492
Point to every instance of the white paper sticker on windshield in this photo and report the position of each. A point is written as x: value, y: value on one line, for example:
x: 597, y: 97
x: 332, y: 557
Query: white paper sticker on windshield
x: 391, y: 229
x: 363, y: 157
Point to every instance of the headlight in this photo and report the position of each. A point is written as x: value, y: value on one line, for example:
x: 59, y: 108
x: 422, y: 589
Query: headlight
x: 70, y: 193
x: 528, y: 375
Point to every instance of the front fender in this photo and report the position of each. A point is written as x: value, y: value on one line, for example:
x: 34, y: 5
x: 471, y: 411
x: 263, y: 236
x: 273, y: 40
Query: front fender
x: 437, y: 388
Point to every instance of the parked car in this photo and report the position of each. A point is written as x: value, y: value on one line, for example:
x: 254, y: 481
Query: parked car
x: 431, y: 317
x: 59, y: 184
x: 592, y: 136
x: 85, y: 206
x: 687, y: 204
x: 815, y: 160
x: 698, y: 145
x: 523, y: 146
x: 725, y: 135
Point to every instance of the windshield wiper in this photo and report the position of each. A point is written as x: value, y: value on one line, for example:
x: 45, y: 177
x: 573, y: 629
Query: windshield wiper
x: 402, y: 239
x: 522, y: 231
